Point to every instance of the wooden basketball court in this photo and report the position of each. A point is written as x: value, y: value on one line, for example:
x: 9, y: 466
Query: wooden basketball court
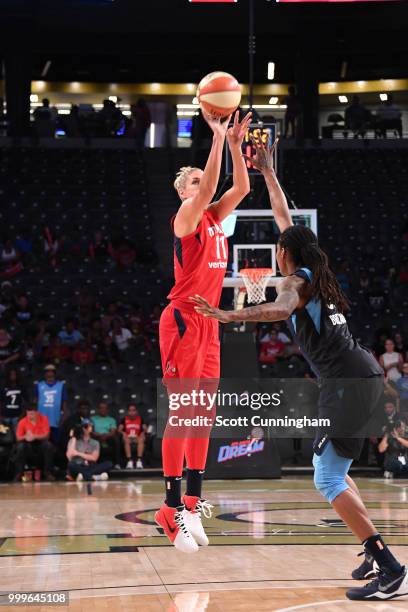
x: 275, y: 545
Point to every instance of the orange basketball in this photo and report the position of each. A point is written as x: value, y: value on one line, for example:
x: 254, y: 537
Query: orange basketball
x: 219, y: 94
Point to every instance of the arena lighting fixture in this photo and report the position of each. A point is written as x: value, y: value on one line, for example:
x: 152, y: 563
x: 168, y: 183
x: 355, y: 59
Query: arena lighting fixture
x: 383, y: 97
x: 33, y: 98
x: 343, y: 99
x: 46, y: 68
x: 271, y: 71
x: 273, y: 100
x: 152, y: 135
x: 113, y: 99
x: 195, y: 101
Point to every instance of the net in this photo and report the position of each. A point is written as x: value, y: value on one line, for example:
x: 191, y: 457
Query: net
x: 256, y: 280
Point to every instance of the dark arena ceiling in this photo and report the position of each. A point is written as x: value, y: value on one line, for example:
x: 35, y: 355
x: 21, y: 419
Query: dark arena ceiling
x: 176, y: 41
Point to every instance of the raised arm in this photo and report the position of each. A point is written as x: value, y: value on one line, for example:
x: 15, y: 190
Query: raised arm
x: 263, y: 161
x: 240, y: 186
x: 289, y: 290
x: 190, y: 212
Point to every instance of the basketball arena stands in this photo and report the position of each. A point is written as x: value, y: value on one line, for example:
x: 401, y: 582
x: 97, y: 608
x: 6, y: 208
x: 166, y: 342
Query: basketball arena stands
x: 71, y: 193
x: 74, y: 193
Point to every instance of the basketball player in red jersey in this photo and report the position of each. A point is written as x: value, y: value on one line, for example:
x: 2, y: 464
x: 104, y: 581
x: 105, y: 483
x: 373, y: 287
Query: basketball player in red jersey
x: 189, y: 343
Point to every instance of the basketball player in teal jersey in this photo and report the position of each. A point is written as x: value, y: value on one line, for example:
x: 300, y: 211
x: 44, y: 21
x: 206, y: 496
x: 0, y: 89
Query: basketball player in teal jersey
x: 310, y: 299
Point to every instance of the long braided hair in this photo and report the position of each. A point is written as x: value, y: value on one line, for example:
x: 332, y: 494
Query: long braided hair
x: 302, y: 245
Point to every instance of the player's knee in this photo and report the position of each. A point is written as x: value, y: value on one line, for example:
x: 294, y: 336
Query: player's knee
x: 329, y: 485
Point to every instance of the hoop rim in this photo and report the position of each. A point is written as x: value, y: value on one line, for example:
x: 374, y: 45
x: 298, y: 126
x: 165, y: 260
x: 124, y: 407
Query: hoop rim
x: 256, y: 272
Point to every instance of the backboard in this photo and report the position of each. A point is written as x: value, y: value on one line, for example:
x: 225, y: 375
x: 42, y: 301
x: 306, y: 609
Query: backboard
x: 252, y: 238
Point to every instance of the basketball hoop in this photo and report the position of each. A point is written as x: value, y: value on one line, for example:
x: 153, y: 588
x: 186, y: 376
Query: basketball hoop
x: 256, y: 280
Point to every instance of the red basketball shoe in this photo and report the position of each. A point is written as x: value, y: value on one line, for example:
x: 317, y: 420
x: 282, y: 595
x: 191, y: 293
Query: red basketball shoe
x: 173, y: 523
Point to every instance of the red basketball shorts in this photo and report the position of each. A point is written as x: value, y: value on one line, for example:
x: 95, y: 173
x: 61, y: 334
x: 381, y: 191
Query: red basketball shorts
x: 189, y: 345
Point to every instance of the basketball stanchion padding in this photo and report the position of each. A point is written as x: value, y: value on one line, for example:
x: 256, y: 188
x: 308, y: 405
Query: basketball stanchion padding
x: 256, y: 280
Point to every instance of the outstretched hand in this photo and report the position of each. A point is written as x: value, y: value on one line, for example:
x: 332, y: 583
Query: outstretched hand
x: 263, y: 159
x: 218, y: 126
x: 236, y: 133
x: 204, y: 308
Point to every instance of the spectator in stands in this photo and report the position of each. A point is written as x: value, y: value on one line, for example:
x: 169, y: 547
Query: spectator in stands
x: 9, y: 254
x: 51, y: 246
x: 102, y: 344
x: 106, y: 432
x: 391, y: 395
x: 356, y: 116
x: 112, y: 312
x: 282, y: 337
x: 42, y: 332
x: 57, y: 352
x: 140, y: 123
x: 7, y: 300
x: 400, y: 345
x: 95, y: 337
x: 389, y: 117
x: 86, y: 307
x: 23, y: 311
x: 81, y: 414
x: 123, y: 253
x: 33, y: 444
x: 83, y: 354
x: 109, y: 119
x: 9, y: 351
x: 390, y: 415
x: 136, y: 320
x: 24, y: 245
x: 52, y: 400
x: 72, y: 122
x: 376, y: 296
x: 391, y: 361
x: 133, y: 436
x: 45, y: 120
x: 395, y: 446
x: 271, y: 349
x: 379, y: 342
x: 9, y: 260
x: 402, y: 388
x: 83, y: 454
x: 100, y: 247
x: 121, y: 336
x: 13, y: 396
x: 293, y: 110
x: 69, y: 335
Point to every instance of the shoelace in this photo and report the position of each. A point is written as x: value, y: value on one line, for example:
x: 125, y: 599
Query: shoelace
x: 179, y: 520
x: 203, y: 506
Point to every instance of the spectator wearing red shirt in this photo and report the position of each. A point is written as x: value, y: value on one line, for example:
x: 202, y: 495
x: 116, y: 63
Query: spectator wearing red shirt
x: 272, y: 349
x: 33, y: 445
x: 57, y: 352
x: 83, y: 354
x: 133, y: 435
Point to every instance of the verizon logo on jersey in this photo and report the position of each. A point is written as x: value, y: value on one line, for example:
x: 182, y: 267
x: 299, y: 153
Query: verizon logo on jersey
x: 215, y: 229
x: 217, y: 264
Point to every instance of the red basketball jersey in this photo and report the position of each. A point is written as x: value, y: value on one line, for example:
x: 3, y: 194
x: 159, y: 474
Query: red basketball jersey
x: 200, y: 263
x: 133, y: 427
